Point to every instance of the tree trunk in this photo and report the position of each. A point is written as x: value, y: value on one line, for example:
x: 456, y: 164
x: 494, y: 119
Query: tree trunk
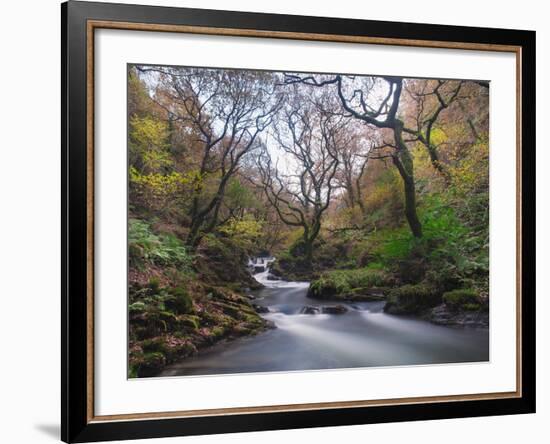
x: 410, y: 207
x: 404, y: 163
x: 193, y: 238
x: 199, y: 227
x: 308, y: 251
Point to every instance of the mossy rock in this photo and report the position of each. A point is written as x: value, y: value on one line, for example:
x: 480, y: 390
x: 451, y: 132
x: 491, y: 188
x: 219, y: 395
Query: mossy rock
x: 292, y: 266
x: 227, y: 294
x: 412, y: 299
x: 150, y: 364
x: 462, y: 299
x: 209, y: 318
x: 229, y: 309
x: 222, y: 262
x: 218, y: 332
x: 154, y: 345
x: 253, y: 320
x: 349, y: 284
x: 172, y: 347
x: 180, y: 301
x: 241, y: 330
x: 369, y: 294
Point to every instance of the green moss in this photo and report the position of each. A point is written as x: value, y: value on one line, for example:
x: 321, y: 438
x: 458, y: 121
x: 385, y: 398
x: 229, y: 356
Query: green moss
x: 218, y: 332
x: 229, y: 309
x: 186, y: 349
x: 151, y: 364
x: 253, y: 318
x: 291, y: 267
x: 347, y: 282
x: 155, y: 345
x: 411, y: 299
x: 222, y: 262
x: 241, y: 330
x: 171, y: 347
x: 457, y: 299
x: 180, y: 300
x: 154, y: 285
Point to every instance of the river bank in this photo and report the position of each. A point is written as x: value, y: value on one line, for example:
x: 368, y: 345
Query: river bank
x: 167, y: 329
x: 277, y: 324
x: 320, y: 334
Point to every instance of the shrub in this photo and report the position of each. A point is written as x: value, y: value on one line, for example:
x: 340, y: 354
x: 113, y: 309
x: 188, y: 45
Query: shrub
x: 163, y: 249
x: 412, y: 299
x: 244, y: 231
x: 451, y: 254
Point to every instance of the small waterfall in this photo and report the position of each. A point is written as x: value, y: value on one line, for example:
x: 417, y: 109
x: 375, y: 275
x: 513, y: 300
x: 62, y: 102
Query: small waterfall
x: 260, y: 268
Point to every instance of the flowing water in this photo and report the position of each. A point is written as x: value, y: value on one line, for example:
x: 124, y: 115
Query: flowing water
x: 364, y: 336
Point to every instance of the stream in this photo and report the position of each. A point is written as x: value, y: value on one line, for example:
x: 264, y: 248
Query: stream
x: 363, y: 336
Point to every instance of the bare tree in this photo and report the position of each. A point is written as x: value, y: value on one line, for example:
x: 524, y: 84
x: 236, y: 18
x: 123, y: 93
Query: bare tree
x: 302, y: 191
x: 227, y: 109
x: 376, y: 101
x: 430, y: 102
x: 356, y: 148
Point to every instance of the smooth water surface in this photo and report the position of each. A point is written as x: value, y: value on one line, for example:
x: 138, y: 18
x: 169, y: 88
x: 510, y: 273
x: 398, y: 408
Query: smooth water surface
x: 364, y: 336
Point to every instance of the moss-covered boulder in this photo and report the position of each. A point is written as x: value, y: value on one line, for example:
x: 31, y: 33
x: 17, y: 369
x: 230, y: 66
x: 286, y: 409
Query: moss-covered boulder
x: 364, y: 284
x: 223, y: 263
x: 292, y: 268
x: 172, y: 347
x: 145, y: 365
x: 292, y: 264
x: 461, y: 308
x: 412, y: 299
x: 462, y: 299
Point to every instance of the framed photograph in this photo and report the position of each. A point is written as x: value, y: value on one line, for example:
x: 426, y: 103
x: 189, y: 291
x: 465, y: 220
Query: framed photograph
x: 276, y: 221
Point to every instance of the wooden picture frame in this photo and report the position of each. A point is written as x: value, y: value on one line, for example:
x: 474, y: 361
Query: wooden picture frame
x: 79, y: 22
